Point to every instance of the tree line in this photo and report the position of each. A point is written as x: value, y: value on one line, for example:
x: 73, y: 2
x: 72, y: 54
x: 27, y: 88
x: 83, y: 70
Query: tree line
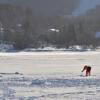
x: 24, y: 28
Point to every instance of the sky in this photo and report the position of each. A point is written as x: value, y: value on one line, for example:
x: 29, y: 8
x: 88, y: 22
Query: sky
x: 84, y: 6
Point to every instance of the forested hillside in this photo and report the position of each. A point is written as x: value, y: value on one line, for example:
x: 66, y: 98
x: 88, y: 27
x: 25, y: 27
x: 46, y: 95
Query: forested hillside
x: 25, y: 28
x: 47, y: 7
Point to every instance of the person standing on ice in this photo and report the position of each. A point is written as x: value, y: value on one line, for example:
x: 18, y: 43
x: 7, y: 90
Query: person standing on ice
x: 87, y: 69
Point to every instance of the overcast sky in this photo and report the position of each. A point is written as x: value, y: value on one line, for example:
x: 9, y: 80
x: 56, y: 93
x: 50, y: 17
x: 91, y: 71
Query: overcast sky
x: 86, y: 5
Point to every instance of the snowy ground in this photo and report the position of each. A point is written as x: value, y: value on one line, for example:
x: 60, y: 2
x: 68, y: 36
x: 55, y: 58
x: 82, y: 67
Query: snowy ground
x: 49, y: 76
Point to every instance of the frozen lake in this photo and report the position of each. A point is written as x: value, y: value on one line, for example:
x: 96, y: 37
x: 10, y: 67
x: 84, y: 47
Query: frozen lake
x: 49, y: 76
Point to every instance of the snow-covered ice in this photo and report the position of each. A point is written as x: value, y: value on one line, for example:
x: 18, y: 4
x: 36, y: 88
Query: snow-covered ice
x: 49, y: 76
